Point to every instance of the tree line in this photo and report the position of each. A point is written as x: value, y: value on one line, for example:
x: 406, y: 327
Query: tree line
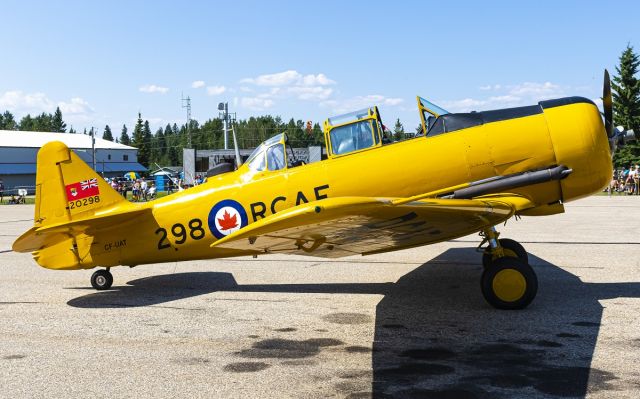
x: 164, y: 146
x: 626, y: 105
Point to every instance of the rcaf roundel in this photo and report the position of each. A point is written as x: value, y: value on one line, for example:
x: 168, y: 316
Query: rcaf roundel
x: 226, y: 217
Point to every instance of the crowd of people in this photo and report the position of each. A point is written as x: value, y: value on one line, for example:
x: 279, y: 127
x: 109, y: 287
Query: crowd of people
x: 141, y: 189
x: 625, y: 181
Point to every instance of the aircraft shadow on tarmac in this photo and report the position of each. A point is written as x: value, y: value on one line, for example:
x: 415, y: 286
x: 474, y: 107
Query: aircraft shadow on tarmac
x: 435, y: 337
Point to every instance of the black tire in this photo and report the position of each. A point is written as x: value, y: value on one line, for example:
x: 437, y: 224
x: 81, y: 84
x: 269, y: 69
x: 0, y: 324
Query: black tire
x: 102, y: 280
x: 510, y: 245
x: 502, y: 284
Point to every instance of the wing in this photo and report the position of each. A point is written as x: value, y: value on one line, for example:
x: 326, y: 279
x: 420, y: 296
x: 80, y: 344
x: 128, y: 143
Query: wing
x: 337, y: 227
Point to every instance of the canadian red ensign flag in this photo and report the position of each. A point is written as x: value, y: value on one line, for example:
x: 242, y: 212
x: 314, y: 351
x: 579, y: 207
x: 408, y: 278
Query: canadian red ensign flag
x: 82, y: 189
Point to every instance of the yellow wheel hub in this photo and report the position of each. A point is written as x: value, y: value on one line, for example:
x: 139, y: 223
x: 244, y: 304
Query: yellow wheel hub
x: 509, y: 285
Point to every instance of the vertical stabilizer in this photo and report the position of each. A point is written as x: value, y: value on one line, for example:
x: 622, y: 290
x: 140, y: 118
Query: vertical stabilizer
x: 67, y: 188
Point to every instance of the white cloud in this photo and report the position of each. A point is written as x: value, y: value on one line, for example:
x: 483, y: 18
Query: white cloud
x: 490, y: 87
x: 255, y: 103
x: 289, y: 78
x: 216, y: 90
x: 28, y: 103
x: 77, y: 106
x: 198, y: 84
x: 392, y: 101
x: 290, y: 84
x: 359, y: 102
x: 317, y: 80
x: 504, y: 96
x: 540, y: 91
x: 153, y: 89
x: 275, y: 79
x: 75, y: 111
x: 310, y: 93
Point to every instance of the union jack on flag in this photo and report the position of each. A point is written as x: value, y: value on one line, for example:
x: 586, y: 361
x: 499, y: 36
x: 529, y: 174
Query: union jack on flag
x: 87, y: 184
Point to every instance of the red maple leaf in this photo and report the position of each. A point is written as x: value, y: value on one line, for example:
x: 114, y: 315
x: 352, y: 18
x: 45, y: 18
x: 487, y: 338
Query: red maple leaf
x: 227, y: 222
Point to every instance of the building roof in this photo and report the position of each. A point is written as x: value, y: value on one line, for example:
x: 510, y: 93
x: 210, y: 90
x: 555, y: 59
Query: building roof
x: 21, y: 139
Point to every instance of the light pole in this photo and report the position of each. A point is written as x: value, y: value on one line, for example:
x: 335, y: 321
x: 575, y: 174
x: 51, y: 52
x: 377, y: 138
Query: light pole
x: 227, y: 118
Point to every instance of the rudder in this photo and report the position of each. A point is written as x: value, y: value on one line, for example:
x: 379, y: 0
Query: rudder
x: 67, y: 188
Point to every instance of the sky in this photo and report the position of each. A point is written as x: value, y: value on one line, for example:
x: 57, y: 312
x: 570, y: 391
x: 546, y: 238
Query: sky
x: 103, y: 62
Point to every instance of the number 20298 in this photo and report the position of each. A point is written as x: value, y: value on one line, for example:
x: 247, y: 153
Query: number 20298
x: 83, y: 202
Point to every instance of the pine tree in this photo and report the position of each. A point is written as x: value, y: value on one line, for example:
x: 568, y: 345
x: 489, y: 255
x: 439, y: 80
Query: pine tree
x: 398, y: 130
x: 26, y: 123
x: 8, y: 121
x: 57, y: 124
x: 43, y: 123
x: 162, y: 144
x: 156, y: 154
x: 107, y: 133
x: 71, y: 129
x: 626, y: 105
x: 137, y: 140
x: 124, y: 137
x: 144, y: 149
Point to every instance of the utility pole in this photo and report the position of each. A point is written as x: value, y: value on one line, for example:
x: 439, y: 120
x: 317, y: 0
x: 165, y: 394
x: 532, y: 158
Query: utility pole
x: 227, y: 118
x: 93, y: 147
x: 186, y: 103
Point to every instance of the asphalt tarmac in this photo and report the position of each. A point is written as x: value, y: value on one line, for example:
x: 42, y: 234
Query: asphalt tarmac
x: 409, y: 324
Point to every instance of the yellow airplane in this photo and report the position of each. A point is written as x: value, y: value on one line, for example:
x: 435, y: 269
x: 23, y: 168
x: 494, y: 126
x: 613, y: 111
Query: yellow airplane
x: 468, y: 173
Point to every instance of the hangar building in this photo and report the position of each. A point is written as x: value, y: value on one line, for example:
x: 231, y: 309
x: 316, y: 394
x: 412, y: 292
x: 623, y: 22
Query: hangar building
x: 18, y: 151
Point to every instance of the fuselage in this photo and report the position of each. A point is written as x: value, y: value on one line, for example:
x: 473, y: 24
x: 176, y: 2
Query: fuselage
x: 182, y: 226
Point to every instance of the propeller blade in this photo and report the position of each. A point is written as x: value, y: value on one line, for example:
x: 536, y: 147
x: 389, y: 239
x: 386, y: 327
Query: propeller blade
x: 607, y: 104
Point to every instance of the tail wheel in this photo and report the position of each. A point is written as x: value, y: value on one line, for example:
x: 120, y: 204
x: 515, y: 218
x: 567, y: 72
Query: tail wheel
x: 102, y: 280
x: 510, y: 248
x: 509, y: 283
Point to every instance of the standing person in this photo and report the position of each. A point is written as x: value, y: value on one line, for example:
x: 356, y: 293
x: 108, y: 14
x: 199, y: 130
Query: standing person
x: 633, y: 180
x: 136, y: 190
x: 143, y: 189
x: 169, y: 186
x: 1, y: 191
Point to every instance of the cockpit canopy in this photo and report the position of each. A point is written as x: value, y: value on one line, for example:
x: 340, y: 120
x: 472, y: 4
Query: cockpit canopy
x: 272, y: 155
x: 269, y: 154
x: 353, y: 132
x: 429, y: 113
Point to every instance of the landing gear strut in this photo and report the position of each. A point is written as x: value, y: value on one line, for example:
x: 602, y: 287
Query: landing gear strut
x: 508, y: 282
x: 102, y: 279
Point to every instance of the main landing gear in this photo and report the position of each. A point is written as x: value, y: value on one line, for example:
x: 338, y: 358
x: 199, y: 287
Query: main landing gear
x: 102, y: 279
x: 508, y: 282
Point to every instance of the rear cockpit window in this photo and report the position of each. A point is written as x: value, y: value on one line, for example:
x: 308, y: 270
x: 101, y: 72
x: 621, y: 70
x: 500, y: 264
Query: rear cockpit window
x: 351, y: 137
x: 275, y: 157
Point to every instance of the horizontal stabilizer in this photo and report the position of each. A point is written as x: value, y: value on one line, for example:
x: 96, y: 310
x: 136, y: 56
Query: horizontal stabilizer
x: 38, y: 237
